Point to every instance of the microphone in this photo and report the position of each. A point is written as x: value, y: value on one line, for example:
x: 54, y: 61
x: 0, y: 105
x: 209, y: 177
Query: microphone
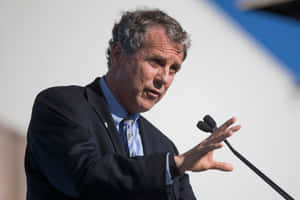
x: 211, y: 122
x: 209, y: 125
x: 204, y: 127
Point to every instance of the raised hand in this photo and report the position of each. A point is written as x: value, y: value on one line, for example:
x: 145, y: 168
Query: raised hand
x: 200, y: 157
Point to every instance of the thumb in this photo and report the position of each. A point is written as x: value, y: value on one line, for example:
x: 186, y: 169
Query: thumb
x: 222, y: 166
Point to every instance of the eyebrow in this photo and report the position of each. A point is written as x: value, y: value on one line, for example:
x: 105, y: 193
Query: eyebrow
x: 159, y: 57
x: 163, y: 59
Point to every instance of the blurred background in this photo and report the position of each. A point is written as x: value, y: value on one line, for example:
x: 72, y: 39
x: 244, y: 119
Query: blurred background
x: 244, y: 61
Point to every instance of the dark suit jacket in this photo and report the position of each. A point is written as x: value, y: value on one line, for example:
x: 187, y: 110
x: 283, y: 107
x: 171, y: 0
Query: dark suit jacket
x: 74, y: 152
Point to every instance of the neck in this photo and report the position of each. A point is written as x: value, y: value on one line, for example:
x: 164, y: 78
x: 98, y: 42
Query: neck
x: 114, y: 86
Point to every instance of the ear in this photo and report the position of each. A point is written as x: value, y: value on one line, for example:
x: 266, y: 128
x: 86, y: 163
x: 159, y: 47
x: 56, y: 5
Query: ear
x: 116, y: 55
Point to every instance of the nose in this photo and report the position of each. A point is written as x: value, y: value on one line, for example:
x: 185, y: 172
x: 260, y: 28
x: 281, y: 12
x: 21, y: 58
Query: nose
x: 162, y: 77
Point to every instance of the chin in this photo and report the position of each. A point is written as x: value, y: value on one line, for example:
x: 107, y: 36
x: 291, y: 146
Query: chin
x: 145, y: 106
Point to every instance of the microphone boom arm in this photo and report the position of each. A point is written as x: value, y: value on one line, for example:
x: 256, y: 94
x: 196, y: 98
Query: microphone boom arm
x: 209, y: 125
x: 259, y: 173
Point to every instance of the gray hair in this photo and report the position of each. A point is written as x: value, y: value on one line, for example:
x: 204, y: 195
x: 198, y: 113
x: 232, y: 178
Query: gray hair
x: 131, y: 29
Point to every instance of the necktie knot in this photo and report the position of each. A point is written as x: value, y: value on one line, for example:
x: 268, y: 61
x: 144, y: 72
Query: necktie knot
x: 127, y: 128
x: 127, y: 122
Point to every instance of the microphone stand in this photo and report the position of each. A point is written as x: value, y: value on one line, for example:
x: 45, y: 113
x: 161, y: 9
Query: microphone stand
x: 284, y: 194
x: 209, y: 125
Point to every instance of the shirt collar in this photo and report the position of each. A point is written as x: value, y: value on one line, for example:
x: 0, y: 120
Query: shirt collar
x: 118, y: 112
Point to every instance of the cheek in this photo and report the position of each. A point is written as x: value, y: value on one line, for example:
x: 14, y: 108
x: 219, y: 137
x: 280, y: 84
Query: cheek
x: 169, y: 82
x: 147, y: 74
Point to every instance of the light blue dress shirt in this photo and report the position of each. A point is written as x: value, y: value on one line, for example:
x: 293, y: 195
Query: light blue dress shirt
x: 118, y: 113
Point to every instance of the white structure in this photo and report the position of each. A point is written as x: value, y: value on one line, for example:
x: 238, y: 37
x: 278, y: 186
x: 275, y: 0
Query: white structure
x: 63, y: 42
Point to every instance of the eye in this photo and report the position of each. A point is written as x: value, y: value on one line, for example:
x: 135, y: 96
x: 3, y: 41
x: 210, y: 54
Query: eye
x: 156, y: 62
x: 174, y: 69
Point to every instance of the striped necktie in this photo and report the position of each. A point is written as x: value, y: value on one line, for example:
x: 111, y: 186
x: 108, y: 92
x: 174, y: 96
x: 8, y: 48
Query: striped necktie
x: 128, y: 133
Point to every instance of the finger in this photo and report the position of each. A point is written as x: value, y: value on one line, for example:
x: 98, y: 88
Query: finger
x: 234, y: 129
x: 216, y: 139
x: 223, y: 166
x: 224, y: 135
x: 228, y: 123
x: 230, y: 131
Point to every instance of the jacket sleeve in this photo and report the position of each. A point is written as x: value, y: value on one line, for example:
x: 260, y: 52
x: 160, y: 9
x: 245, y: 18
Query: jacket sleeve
x: 181, y: 187
x: 66, y: 154
x: 185, y: 189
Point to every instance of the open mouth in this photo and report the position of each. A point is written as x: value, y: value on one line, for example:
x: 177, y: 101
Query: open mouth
x: 152, y: 93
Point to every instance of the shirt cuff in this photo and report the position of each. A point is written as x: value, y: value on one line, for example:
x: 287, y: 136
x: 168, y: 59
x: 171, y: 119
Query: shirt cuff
x: 169, y: 179
x: 171, y: 169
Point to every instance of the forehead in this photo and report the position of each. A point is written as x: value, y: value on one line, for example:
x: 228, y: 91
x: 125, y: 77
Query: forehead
x: 157, y: 41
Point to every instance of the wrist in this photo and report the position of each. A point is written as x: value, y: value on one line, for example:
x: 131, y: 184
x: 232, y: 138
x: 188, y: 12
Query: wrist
x: 174, y: 170
x: 179, y: 163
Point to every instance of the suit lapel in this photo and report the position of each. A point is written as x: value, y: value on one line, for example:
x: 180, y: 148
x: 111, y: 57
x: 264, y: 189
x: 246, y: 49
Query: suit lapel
x: 97, y: 101
x: 152, y: 138
x: 145, y: 137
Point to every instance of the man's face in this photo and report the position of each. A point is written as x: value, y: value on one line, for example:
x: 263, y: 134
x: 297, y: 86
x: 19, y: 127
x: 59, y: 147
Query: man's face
x: 142, y: 79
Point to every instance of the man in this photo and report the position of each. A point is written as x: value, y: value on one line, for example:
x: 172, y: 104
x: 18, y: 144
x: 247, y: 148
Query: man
x: 92, y: 143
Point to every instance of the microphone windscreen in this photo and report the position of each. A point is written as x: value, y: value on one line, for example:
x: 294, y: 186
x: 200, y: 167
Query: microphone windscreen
x: 210, y: 121
x: 204, y: 126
